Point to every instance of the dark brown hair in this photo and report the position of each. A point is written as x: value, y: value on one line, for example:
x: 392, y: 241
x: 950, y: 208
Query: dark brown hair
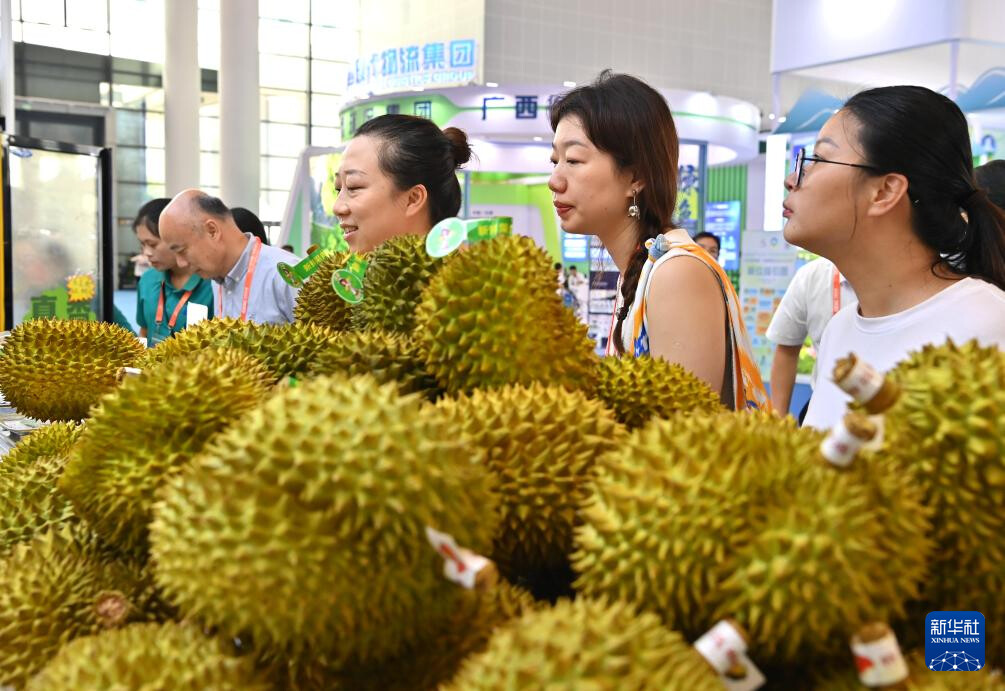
x: 149, y: 215
x: 629, y: 120
x: 414, y: 151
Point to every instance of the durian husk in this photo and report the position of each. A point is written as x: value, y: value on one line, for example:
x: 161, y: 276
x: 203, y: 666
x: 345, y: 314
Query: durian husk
x: 387, y: 356
x: 586, y: 644
x: 287, y: 350
x: 541, y: 444
x: 737, y: 515
x: 638, y: 389
x: 58, y: 587
x: 30, y: 501
x: 56, y: 369
x: 318, y: 303
x: 491, y: 317
x: 340, y: 478
x: 947, y: 432
x: 397, y: 273
x: 148, y: 430
x: 147, y: 656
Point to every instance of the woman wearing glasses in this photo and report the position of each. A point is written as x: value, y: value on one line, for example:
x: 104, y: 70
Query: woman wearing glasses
x: 615, y: 158
x: 889, y: 196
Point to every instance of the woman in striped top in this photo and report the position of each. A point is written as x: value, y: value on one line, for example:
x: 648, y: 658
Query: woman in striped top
x: 615, y: 156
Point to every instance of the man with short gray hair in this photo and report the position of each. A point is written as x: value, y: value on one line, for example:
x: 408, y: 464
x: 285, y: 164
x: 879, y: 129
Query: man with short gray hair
x: 201, y: 231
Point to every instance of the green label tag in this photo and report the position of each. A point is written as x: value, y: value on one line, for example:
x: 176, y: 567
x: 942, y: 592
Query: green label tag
x: 348, y: 286
x: 446, y: 236
x: 296, y: 275
x: 356, y: 265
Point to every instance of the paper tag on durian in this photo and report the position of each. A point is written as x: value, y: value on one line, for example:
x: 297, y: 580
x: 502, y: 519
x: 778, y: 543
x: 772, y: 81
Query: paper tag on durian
x: 876, y: 443
x: 724, y: 649
x: 460, y: 565
x: 879, y: 662
x: 446, y: 236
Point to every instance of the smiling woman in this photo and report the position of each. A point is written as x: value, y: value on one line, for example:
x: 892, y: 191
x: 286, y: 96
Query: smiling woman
x: 398, y: 177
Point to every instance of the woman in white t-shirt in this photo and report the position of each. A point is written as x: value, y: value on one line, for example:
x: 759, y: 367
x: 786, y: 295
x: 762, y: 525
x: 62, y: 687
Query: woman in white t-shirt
x: 889, y: 196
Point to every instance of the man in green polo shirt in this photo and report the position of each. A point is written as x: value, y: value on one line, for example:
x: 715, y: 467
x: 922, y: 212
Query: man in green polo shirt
x: 168, y: 297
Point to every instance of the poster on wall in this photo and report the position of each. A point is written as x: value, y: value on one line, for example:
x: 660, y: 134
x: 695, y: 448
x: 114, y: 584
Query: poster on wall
x: 688, y: 196
x: 769, y: 263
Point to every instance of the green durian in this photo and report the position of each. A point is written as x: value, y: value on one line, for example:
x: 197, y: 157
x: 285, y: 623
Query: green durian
x: 586, y: 644
x: 491, y: 317
x: 286, y: 349
x: 396, y: 274
x: 388, y: 356
x: 56, y: 588
x: 427, y: 663
x: 30, y: 502
x: 147, y: 656
x: 541, y: 444
x: 318, y: 303
x: 697, y: 518
x: 338, y: 479
x: 947, y: 432
x: 638, y: 389
x: 920, y: 678
x: 148, y: 430
x: 55, y: 369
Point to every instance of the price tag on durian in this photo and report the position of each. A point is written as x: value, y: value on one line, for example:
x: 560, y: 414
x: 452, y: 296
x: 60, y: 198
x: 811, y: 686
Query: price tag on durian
x: 725, y: 649
x: 347, y: 282
x: 296, y: 275
x: 460, y: 565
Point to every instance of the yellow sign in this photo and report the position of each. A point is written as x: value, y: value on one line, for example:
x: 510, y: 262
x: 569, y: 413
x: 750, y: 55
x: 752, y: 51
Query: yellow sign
x: 80, y: 288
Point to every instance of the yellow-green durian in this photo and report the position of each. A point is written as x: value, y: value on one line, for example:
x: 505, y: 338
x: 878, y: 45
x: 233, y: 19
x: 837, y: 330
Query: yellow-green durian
x: 638, y: 389
x: 541, y: 444
x: 58, y: 587
x: 491, y: 317
x: 397, y: 273
x: 701, y: 517
x: 30, y: 501
x: 147, y: 656
x: 336, y: 481
x: 386, y: 355
x: 318, y: 303
x: 149, y: 429
x: 55, y: 369
x: 586, y: 644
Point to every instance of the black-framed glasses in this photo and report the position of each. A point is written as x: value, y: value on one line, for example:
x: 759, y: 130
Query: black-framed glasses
x: 803, y: 158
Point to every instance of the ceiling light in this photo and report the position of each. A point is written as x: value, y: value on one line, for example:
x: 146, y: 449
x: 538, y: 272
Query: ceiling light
x: 491, y: 85
x: 569, y: 84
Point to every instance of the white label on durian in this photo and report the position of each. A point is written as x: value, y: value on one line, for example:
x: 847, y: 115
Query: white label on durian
x: 840, y: 446
x: 459, y: 565
x: 879, y: 662
x: 863, y: 382
x: 131, y: 371
x: 195, y: 313
x: 726, y: 651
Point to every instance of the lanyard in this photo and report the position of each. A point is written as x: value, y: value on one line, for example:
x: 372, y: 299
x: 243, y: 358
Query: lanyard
x: 836, y: 293
x: 247, y: 281
x: 159, y: 319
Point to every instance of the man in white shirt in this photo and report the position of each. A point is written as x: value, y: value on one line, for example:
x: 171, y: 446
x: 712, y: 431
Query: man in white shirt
x: 817, y: 292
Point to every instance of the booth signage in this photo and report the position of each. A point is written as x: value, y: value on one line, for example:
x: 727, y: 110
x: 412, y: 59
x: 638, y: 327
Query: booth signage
x: 436, y: 64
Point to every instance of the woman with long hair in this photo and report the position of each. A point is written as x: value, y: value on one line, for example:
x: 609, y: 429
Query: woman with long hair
x: 889, y: 196
x: 615, y: 156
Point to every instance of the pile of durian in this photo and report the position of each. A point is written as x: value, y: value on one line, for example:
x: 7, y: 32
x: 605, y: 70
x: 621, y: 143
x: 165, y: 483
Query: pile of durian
x: 254, y: 507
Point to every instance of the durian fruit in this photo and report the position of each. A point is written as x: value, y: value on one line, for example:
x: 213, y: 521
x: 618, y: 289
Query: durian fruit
x: 148, y: 430
x: 586, y: 644
x: 638, y: 389
x: 397, y: 273
x: 56, y: 588
x: 947, y: 431
x: 920, y: 678
x: 541, y: 444
x: 701, y: 517
x: 30, y: 502
x: 318, y: 303
x: 491, y: 317
x: 430, y: 662
x: 54, y: 369
x: 388, y: 356
x: 286, y: 349
x: 313, y: 515
x: 146, y: 656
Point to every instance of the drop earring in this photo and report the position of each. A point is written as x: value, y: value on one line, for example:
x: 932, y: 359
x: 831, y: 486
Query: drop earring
x: 633, y: 210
